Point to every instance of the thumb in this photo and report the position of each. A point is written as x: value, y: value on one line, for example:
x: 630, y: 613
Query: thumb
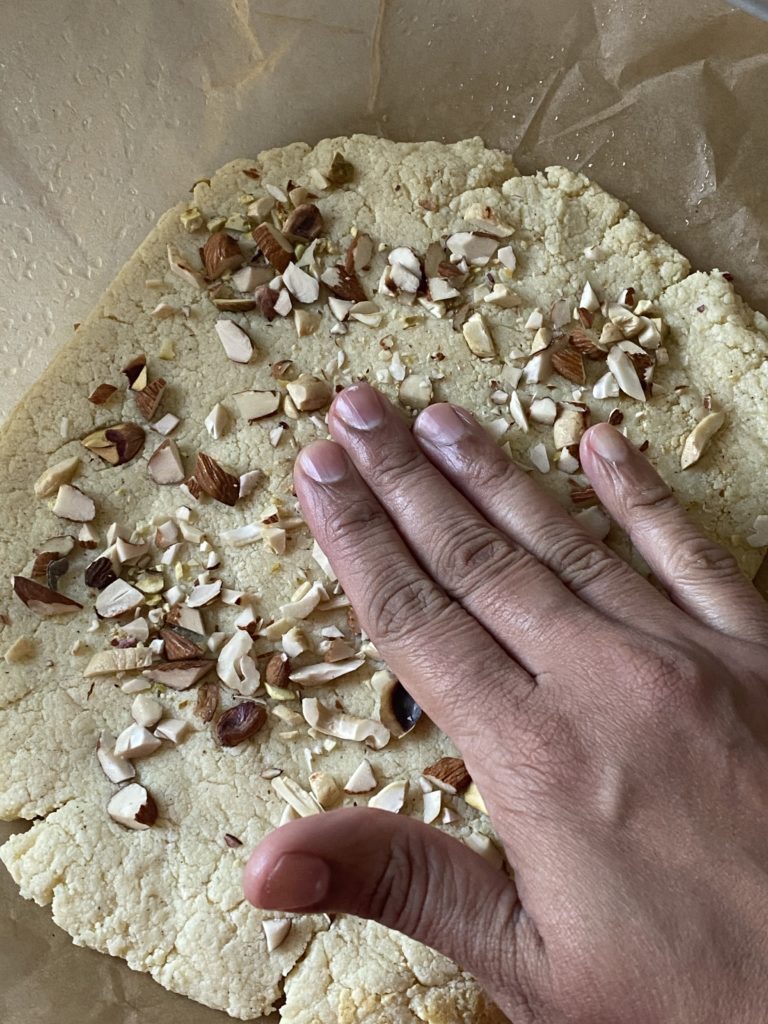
x: 401, y: 873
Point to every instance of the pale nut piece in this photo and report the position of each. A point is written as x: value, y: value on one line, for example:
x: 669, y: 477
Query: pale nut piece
x: 475, y: 248
x: 325, y: 789
x: 135, y: 741
x: 72, y: 504
x: 306, y: 322
x: 181, y: 674
x: 570, y: 425
x: 397, y: 710
x: 146, y: 711
x: 622, y: 368
x: 362, y: 779
x: 539, y: 458
x: 605, y: 387
x: 51, y: 479
x: 276, y: 932
x: 164, y: 464
x: 117, y: 769
x: 299, y: 800
x: 172, y: 729
x: 133, y: 807
x: 478, y: 337
x: 117, y: 598
x: 236, y: 343
x: 255, y: 405
x: 325, y: 672
x: 698, y: 439
x: 391, y: 797
x: 332, y: 722
x: 416, y: 391
x: 474, y: 799
x: 217, y: 421
x: 302, y: 286
x: 543, y: 410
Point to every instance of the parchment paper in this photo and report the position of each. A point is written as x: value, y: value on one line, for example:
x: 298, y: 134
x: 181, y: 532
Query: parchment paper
x: 109, y: 109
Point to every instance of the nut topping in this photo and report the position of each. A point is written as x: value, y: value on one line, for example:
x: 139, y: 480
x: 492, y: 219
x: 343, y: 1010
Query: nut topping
x: 569, y: 363
x: 42, y: 600
x: 101, y: 394
x: 72, y: 504
x: 450, y: 771
x: 478, y: 337
x: 398, y: 711
x: 117, y: 598
x: 207, y: 701
x: 699, y: 438
x: 148, y: 399
x: 164, y: 465
x: 100, y: 573
x: 117, y: 444
x: 215, y: 481
x: 133, y: 807
x: 305, y: 223
x: 308, y: 392
x: 219, y: 254
x: 136, y: 372
x: 240, y: 722
x: 277, y: 250
x: 180, y: 675
x: 236, y: 343
x: 255, y: 405
x: 48, y: 483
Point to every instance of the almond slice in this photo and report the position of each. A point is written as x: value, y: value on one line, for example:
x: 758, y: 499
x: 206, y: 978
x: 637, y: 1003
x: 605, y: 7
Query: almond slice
x: 149, y: 398
x: 217, y: 421
x: 309, y: 393
x: 179, y: 675
x: 101, y: 394
x: 116, y: 768
x: 117, y: 444
x: 478, y: 337
x: 301, y: 285
x: 276, y: 248
x: 475, y: 247
x: 118, y: 659
x: 324, y: 672
x: 699, y: 438
x: 302, y: 802
x: 219, y: 254
x: 347, y: 727
x: 391, y: 797
x: 450, y: 771
x: 215, y: 481
x: 571, y: 422
x: 182, y: 269
x: 42, y: 600
x: 49, y: 481
x: 255, y: 405
x: 362, y: 779
x: 344, y: 284
x: 623, y: 370
x: 117, y: 598
x: 569, y: 363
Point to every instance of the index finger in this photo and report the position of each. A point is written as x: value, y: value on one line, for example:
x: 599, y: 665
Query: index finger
x: 455, y: 670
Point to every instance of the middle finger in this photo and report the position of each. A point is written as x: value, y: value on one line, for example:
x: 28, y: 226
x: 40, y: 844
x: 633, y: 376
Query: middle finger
x: 520, y: 602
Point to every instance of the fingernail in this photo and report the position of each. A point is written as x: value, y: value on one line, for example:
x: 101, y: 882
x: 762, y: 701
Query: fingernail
x: 442, y: 424
x: 324, y: 461
x: 360, y: 407
x: 298, y: 880
x: 608, y: 443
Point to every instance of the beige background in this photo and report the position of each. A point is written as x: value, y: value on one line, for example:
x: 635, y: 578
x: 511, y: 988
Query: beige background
x: 109, y: 109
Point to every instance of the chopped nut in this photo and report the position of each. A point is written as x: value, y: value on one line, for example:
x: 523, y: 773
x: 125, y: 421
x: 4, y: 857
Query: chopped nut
x: 341, y: 171
x: 475, y: 247
x: 235, y: 341
x: 117, y: 598
x: 543, y: 410
x: 623, y: 370
x: 589, y: 299
x: 278, y: 669
x: 117, y: 444
x: 255, y: 405
x: 164, y: 465
x: 118, y: 659
x: 606, y: 387
x: 301, y: 285
x: 22, y: 648
x: 398, y: 711
x: 478, y: 337
x: 136, y: 372
x: 391, y: 797
x: 304, y: 223
x: 324, y: 672
x: 215, y: 481
x: 571, y: 422
x: 561, y: 313
x: 146, y: 711
x: 486, y: 847
x: 569, y: 363
x: 585, y: 345
x: 517, y: 412
x: 474, y: 799
x: 305, y: 322
x: 325, y: 789
x: 583, y: 497
x: 116, y: 768
x: 166, y: 424
x: 336, y: 723
x: 149, y: 398
x: 179, y: 646
x: 416, y: 392
x: 217, y: 421
x: 207, y: 701
x: 451, y: 772
x: 275, y: 931
x: 344, y: 284
x: 535, y: 321
x: 362, y: 779
x: 539, y: 458
x: 133, y: 807
x: 179, y: 675
x: 502, y: 297
x: 542, y: 339
x: 219, y: 254
x: 308, y: 393
x: 367, y: 313
x: 359, y: 253
x: 240, y: 723
x: 172, y: 729
x: 277, y: 250
x: 699, y: 438
x: 134, y: 742
x: 302, y: 802
x: 55, y: 570
x: 101, y: 394
x: 72, y: 504
x: 42, y: 600
x: 48, y: 483
x: 567, y: 462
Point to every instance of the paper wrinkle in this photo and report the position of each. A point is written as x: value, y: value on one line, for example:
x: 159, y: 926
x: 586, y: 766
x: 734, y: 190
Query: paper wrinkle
x: 109, y: 119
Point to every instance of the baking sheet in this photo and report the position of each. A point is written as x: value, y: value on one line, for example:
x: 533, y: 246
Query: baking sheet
x: 110, y: 109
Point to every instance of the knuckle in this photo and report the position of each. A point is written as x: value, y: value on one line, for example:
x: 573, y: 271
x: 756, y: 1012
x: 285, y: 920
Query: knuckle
x: 466, y: 549
x: 654, y: 498
x: 667, y: 679
x: 399, y: 894
x: 354, y: 517
x: 579, y: 562
x: 399, y: 606
x: 698, y: 557
x: 393, y: 461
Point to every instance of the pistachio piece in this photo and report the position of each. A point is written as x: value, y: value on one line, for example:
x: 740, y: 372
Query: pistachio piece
x: 72, y: 504
x: 240, y: 722
x: 340, y: 171
x: 49, y: 481
x: 42, y: 600
x: 133, y: 807
x: 117, y: 444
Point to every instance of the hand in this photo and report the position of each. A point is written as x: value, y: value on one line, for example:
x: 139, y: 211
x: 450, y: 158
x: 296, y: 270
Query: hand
x: 619, y: 739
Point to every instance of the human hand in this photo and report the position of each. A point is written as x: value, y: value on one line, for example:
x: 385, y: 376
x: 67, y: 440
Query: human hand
x: 620, y: 741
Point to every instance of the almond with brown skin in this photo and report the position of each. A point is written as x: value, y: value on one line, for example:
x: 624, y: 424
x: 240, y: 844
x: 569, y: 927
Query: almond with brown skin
x: 117, y: 444
x: 276, y: 249
x: 215, y: 481
x: 585, y: 345
x: 569, y: 364
x: 101, y: 394
x: 42, y: 600
x: 55, y: 570
x: 193, y: 487
x: 179, y: 647
x: 283, y: 369
x: 345, y: 284
x: 149, y: 399
x: 359, y: 253
x: 180, y: 675
x: 220, y: 254
x: 586, y: 316
x: 266, y: 298
x: 136, y: 372
x: 207, y: 701
x: 100, y: 573
x: 450, y: 770
x: 278, y: 670
x: 239, y: 723
x: 304, y: 223
x: 616, y: 417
